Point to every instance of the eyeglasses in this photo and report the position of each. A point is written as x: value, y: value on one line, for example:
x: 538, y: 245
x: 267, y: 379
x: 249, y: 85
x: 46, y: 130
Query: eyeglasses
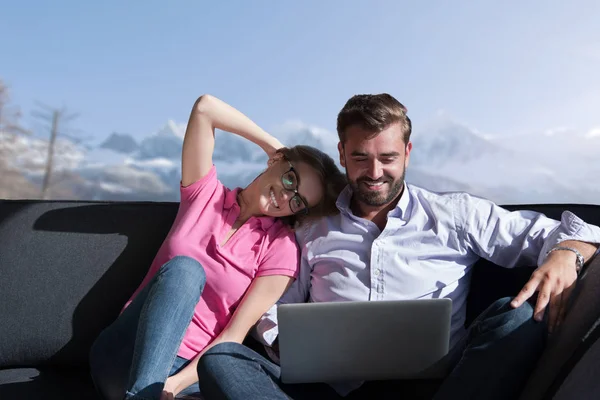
x: 290, y: 182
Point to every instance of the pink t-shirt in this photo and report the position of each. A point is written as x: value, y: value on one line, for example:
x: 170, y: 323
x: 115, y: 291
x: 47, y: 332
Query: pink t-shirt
x: 262, y: 246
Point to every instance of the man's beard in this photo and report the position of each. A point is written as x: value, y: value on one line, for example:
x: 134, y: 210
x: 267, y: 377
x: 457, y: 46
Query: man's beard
x: 374, y: 198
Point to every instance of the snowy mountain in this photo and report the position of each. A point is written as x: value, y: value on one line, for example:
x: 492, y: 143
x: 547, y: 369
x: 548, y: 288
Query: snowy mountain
x: 444, y: 141
x: 121, y: 143
x: 166, y: 143
x: 557, y: 166
x: 540, y: 167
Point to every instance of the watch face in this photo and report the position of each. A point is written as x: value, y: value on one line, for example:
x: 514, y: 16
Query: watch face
x: 580, y: 262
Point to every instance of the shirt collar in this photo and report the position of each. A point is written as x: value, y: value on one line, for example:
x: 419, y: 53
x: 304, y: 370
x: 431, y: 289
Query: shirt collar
x: 401, y: 209
x: 230, y: 202
x: 343, y: 202
x: 231, y: 198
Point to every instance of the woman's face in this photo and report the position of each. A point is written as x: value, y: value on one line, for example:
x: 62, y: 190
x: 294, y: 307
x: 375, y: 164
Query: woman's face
x: 287, y: 188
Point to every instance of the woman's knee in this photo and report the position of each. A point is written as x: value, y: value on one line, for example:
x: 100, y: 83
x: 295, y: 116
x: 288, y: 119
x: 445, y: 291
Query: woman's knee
x: 189, y: 273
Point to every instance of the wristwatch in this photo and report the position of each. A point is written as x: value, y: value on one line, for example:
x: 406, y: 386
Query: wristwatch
x: 579, y: 260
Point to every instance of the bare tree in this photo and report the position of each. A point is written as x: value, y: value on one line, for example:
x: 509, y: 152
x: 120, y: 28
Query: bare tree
x: 14, y: 182
x: 57, y: 120
x: 9, y: 124
x: 9, y: 115
x: 14, y: 185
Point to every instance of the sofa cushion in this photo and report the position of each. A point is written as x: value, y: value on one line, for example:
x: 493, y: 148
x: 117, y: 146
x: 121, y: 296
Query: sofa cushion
x: 67, y: 269
x: 51, y: 384
x: 47, y: 384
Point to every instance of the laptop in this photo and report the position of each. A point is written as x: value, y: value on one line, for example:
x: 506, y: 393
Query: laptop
x: 363, y: 340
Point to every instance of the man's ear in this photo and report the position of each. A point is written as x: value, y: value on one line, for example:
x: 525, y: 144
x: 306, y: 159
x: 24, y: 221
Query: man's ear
x: 408, y: 149
x: 342, y: 158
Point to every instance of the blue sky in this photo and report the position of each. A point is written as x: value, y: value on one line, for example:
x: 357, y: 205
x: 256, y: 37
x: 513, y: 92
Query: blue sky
x: 511, y: 66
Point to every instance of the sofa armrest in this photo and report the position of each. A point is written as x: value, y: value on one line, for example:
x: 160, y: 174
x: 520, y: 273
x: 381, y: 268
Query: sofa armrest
x: 564, y: 345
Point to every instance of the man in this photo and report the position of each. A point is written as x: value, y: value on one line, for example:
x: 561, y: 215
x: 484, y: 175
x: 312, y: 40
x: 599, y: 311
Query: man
x: 397, y: 241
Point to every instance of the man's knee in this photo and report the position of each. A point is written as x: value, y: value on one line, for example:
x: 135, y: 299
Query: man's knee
x: 502, y: 315
x: 522, y: 313
x: 502, y: 307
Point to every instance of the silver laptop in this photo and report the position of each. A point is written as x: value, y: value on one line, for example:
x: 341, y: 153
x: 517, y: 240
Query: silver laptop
x: 363, y: 340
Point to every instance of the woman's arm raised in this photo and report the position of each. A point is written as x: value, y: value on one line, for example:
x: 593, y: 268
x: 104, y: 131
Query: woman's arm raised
x: 208, y: 114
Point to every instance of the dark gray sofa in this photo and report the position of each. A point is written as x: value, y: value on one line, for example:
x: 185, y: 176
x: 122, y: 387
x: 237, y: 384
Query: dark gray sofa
x: 67, y: 268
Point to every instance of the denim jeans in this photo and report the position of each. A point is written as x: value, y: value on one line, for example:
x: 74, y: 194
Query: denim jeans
x: 498, y: 354
x: 133, y: 357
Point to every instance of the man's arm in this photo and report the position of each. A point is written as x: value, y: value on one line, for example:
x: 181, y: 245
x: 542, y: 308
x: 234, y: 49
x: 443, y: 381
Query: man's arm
x: 517, y: 238
x: 524, y: 238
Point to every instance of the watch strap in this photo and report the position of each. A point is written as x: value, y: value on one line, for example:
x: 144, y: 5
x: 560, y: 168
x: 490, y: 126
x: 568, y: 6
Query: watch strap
x: 579, y: 258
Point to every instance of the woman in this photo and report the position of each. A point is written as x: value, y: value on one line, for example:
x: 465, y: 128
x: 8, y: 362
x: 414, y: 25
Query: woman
x: 227, y: 259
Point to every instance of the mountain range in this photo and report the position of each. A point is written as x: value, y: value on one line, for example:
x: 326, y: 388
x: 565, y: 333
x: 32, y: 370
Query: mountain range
x: 547, y: 167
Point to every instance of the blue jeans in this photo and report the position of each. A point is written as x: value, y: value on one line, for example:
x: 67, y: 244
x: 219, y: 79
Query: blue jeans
x: 133, y: 357
x: 500, y: 351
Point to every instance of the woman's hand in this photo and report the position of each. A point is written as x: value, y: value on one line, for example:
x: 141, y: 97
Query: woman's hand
x: 171, y: 388
x: 272, y: 147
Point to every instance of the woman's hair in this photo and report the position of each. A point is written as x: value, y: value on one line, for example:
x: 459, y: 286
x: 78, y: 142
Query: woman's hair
x: 332, y: 180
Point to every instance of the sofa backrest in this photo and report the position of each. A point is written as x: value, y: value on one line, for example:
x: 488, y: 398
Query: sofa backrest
x: 67, y: 269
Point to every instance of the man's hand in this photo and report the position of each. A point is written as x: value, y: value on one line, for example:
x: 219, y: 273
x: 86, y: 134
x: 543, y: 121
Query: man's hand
x: 554, y: 280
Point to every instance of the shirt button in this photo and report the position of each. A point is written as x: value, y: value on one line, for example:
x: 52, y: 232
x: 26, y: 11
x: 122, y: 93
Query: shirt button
x: 377, y: 272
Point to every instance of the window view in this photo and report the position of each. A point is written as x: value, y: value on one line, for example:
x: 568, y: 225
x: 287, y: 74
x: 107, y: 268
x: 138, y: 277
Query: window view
x: 95, y: 97
x: 207, y: 199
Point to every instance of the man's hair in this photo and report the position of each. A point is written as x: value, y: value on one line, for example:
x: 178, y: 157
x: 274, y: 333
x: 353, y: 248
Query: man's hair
x: 374, y: 113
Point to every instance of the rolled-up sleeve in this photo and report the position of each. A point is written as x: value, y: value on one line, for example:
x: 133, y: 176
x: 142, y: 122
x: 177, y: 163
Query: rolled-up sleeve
x: 517, y: 238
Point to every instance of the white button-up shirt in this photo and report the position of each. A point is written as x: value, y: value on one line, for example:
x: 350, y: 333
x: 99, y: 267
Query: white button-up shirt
x: 426, y: 250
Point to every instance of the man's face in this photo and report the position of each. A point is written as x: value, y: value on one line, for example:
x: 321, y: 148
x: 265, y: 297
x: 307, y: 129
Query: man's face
x: 375, y: 167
